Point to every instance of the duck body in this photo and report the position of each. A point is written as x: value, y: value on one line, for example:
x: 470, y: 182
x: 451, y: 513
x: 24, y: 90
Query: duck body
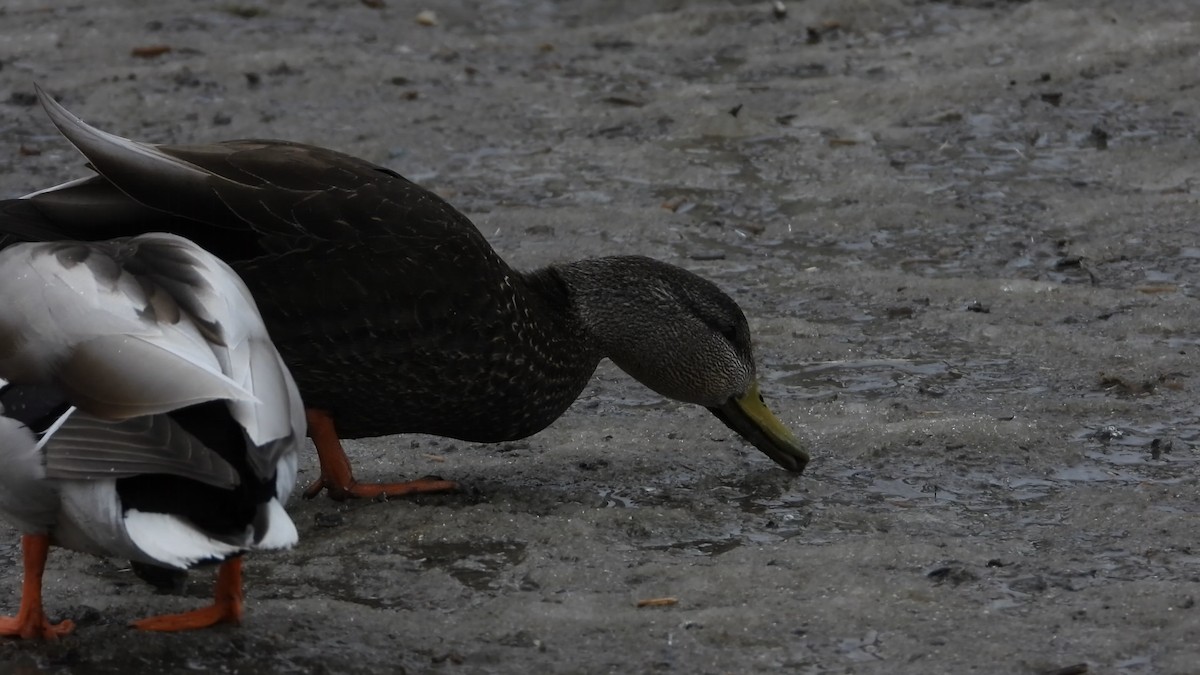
x: 431, y: 354
x: 144, y: 414
x: 393, y: 312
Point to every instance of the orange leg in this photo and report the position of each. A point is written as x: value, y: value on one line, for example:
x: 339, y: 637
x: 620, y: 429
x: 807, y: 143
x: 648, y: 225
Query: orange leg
x: 227, y: 605
x: 30, y: 622
x: 338, y: 477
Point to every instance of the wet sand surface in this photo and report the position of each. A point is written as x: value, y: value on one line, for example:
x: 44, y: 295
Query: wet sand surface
x: 966, y: 238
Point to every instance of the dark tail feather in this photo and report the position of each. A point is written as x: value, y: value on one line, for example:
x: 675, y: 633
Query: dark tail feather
x: 21, y: 220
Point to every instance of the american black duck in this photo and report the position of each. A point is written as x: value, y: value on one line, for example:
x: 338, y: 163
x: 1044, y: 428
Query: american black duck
x: 391, y: 309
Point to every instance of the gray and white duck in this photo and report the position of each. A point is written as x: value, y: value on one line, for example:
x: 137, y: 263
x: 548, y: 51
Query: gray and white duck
x: 144, y: 414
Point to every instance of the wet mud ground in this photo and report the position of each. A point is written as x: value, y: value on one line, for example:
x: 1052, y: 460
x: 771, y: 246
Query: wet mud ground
x: 966, y: 238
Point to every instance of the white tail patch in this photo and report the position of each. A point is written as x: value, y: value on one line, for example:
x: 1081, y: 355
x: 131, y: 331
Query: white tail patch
x: 173, y: 541
x: 281, y: 531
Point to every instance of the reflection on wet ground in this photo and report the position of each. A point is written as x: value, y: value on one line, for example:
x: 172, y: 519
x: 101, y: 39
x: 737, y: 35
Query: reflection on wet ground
x: 876, y: 377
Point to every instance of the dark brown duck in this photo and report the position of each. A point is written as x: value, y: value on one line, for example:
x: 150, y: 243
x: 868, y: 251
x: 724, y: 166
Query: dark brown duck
x: 392, y: 311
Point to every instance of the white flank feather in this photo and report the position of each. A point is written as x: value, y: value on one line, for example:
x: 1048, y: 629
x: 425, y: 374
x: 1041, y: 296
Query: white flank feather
x: 173, y: 541
x: 281, y: 531
x: 287, y: 468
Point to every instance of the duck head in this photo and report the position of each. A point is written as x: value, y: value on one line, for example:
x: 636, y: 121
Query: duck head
x: 681, y: 336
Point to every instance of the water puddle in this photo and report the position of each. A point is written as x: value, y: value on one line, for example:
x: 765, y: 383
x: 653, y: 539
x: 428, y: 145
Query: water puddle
x: 696, y: 547
x: 872, y: 378
x: 475, y: 564
x: 866, y: 377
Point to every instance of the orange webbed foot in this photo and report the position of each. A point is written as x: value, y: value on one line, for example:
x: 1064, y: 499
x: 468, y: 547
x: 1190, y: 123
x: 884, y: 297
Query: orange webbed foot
x: 31, y: 623
x: 34, y: 626
x: 338, y: 478
x: 228, y: 605
x: 357, y: 490
x: 214, y: 614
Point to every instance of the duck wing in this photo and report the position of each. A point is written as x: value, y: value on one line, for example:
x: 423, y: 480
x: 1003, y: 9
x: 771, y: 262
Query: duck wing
x: 122, y: 343
x: 239, y: 199
x: 86, y: 447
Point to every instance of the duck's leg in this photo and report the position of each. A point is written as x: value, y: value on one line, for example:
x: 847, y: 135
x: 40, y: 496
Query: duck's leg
x: 338, y: 477
x: 227, y: 605
x: 30, y: 622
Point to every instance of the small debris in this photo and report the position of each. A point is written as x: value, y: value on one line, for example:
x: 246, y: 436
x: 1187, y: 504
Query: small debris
x: 1124, y: 386
x: 1157, y: 289
x: 540, y: 230
x: 900, y: 312
x: 253, y: 79
x: 427, y: 18
x: 778, y: 10
x: 434, y: 458
x: 1108, y: 433
x: 22, y: 98
x: 1158, y: 447
x: 1054, y: 98
x: 150, y: 51
x: 708, y: 255
x: 245, y: 11
x: 1099, y: 138
x: 979, y: 308
x: 283, y: 70
x: 452, y: 657
x: 1172, y: 381
x: 1077, y: 669
x: 26, y: 151
x: 613, y: 43
x: 623, y: 100
x: 931, y: 389
x: 954, y: 574
x: 733, y: 112
x: 326, y: 519
x: 673, y: 203
x: 374, y: 4
x: 657, y: 602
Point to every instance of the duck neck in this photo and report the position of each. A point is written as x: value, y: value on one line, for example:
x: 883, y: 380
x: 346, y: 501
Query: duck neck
x: 553, y: 357
x: 605, y: 303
